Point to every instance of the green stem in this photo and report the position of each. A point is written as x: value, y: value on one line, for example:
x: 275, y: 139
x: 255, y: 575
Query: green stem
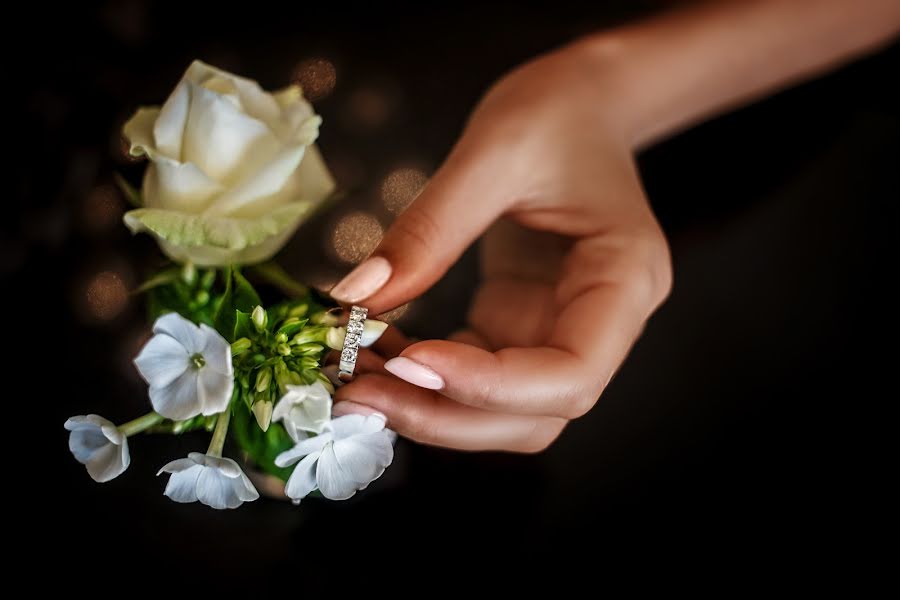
x: 278, y: 277
x: 140, y: 424
x: 218, y: 437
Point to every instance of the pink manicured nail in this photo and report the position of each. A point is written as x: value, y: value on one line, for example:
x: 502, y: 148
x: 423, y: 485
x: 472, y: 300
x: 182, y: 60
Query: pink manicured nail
x: 346, y: 407
x: 415, y: 373
x: 363, y: 281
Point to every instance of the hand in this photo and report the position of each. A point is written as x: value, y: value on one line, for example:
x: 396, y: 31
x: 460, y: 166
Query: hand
x: 573, y: 266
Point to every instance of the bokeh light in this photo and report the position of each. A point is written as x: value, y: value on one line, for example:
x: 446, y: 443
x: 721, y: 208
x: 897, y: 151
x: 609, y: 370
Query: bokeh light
x: 106, y: 295
x: 102, y: 208
x: 355, y: 236
x: 400, y: 188
x: 317, y: 77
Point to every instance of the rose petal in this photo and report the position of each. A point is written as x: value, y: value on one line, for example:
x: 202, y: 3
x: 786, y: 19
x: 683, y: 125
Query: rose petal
x: 248, y: 196
x: 221, y: 139
x: 178, y: 186
x: 138, y: 130
x: 168, y: 130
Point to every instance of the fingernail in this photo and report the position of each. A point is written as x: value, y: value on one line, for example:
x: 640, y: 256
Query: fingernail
x: 346, y: 407
x: 415, y: 373
x: 363, y: 281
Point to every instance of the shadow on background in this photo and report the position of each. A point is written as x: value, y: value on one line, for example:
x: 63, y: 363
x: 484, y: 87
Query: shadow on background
x: 733, y: 419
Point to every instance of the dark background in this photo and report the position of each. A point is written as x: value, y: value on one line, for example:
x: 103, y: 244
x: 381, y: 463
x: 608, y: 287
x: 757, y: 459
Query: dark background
x: 742, y: 417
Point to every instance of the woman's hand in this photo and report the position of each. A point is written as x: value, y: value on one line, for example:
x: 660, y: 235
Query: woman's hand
x: 573, y: 266
x: 574, y: 262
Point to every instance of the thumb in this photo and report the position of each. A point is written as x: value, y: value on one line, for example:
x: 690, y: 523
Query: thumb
x: 457, y: 206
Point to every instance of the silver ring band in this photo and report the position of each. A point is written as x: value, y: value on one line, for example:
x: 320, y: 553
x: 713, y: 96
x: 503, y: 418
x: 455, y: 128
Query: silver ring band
x: 351, y: 342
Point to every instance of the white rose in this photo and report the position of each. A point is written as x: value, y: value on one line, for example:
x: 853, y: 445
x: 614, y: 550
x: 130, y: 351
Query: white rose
x: 233, y: 168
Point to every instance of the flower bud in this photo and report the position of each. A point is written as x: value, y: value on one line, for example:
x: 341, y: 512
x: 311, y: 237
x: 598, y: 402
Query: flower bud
x: 208, y: 279
x: 202, y: 297
x: 324, y: 317
x: 309, y: 335
x: 263, y: 379
x: 283, y: 349
x: 372, y: 331
x: 307, y: 349
x: 262, y: 410
x: 260, y: 318
x: 240, y: 346
x: 295, y: 378
x: 281, y: 338
x: 298, y: 311
x: 189, y: 273
x: 309, y: 362
x: 335, y: 337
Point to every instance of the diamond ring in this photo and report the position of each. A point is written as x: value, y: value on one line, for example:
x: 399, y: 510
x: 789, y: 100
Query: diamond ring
x: 351, y: 342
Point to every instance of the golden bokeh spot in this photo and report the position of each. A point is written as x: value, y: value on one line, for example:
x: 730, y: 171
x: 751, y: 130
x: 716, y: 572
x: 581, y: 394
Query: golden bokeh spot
x: 355, y: 236
x: 106, y: 295
x: 102, y: 208
x: 400, y: 188
x: 316, y: 76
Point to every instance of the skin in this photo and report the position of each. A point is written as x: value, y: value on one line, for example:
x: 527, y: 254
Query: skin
x: 573, y: 260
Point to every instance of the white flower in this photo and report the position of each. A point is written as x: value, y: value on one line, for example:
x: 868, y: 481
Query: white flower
x: 353, y: 451
x: 98, y: 445
x: 188, y: 368
x: 215, y: 481
x: 304, y: 408
x: 233, y: 168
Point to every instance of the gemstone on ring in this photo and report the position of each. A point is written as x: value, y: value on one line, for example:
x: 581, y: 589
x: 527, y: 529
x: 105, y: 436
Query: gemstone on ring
x: 352, y: 338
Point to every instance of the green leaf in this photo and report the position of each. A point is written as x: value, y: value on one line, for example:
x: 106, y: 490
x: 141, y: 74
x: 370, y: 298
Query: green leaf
x: 292, y: 328
x: 243, y: 326
x: 239, y: 296
x: 131, y: 194
x: 245, y: 297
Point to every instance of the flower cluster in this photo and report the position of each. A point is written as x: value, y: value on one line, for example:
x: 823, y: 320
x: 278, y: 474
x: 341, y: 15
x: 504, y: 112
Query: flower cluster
x: 234, y: 172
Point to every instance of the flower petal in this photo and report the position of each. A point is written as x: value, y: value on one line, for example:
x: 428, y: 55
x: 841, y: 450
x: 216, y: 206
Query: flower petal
x: 333, y: 482
x: 183, y: 229
x: 178, y: 465
x: 109, y: 462
x: 162, y: 360
x: 213, y: 391
x: 178, y: 400
x: 364, y: 458
x: 245, y: 197
x: 255, y: 101
x: 308, y: 446
x: 372, y: 331
x: 222, y: 139
x: 217, y: 351
x: 182, y: 486
x: 183, y: 330
x: 219, y: 491
x: 168, y: 130
x: 303, y: 480
x: 139, y: 131
x: 178, y: 186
